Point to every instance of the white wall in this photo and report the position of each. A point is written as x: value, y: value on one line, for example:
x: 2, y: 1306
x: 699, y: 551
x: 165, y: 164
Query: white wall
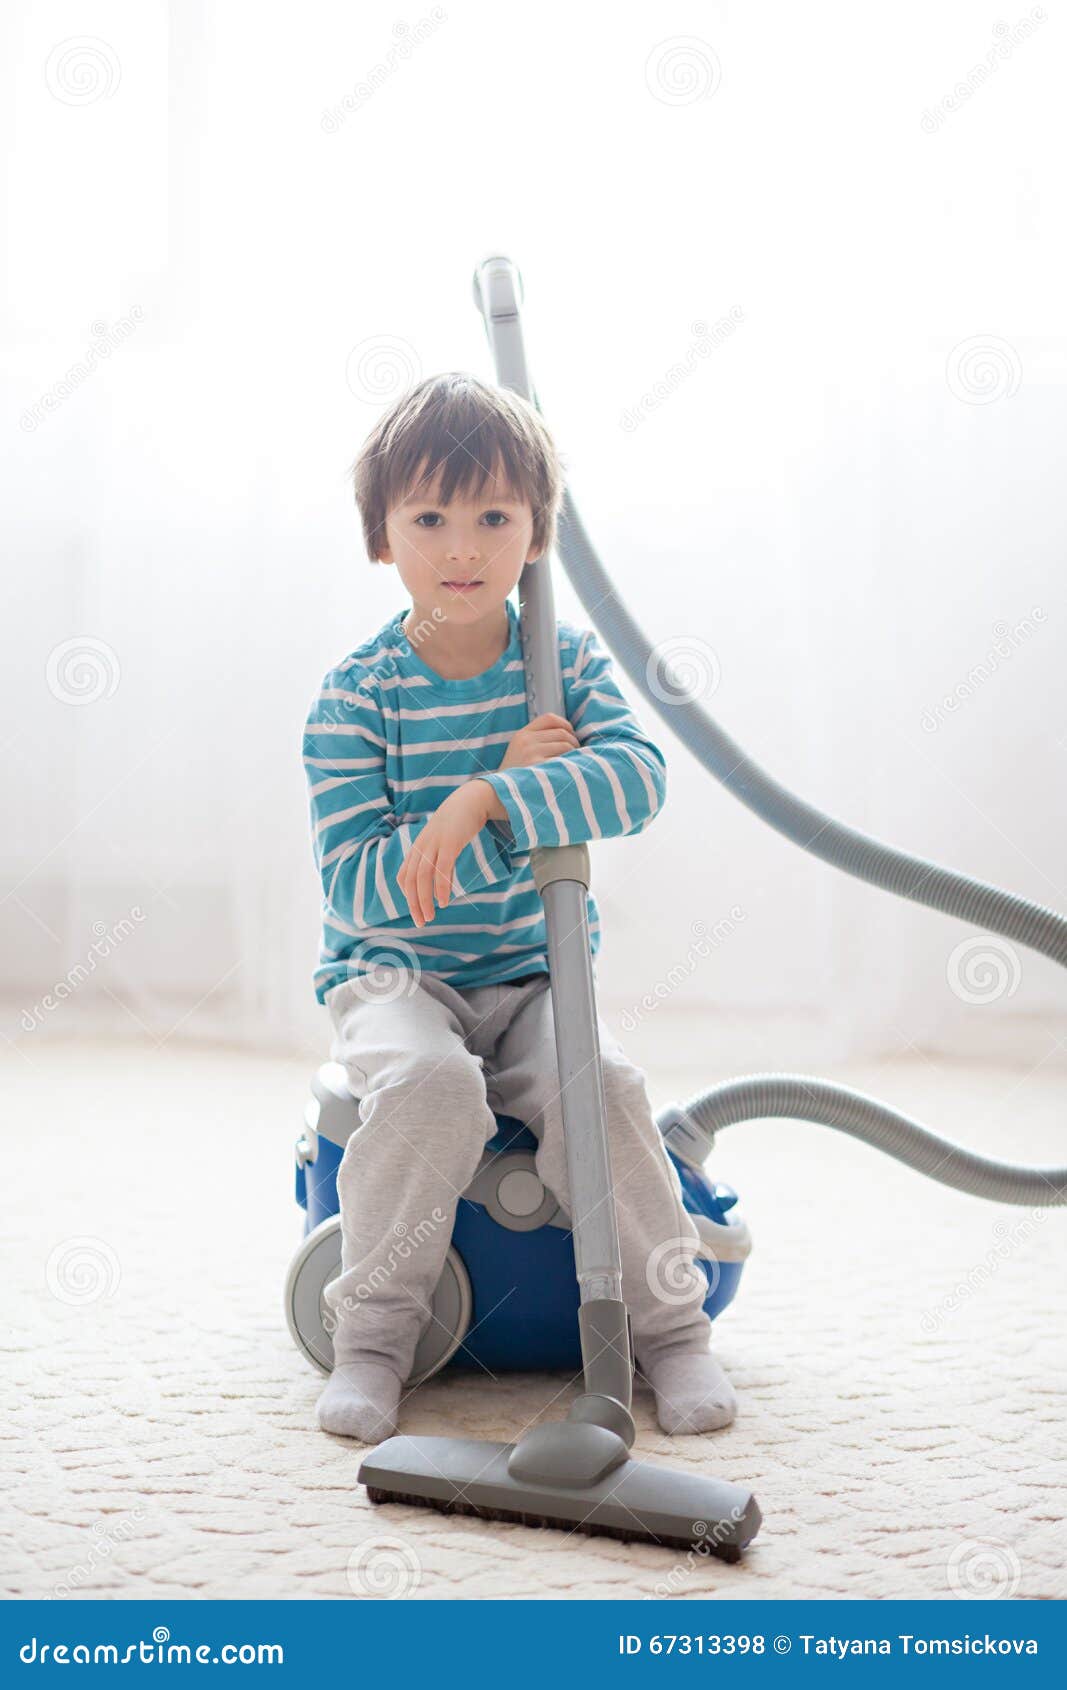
x: 839, y: 500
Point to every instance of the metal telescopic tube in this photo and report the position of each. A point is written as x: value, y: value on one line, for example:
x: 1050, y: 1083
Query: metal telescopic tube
x: 562, y: 876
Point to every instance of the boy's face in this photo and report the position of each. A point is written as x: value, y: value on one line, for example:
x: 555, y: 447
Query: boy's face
x: 462, y: 559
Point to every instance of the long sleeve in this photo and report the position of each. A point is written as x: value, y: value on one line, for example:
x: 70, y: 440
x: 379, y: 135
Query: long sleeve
x: 359, y: 841
x: 613, y: 786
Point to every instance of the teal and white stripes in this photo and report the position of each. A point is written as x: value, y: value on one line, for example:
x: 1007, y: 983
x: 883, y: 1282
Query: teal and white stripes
x: 387, y: 740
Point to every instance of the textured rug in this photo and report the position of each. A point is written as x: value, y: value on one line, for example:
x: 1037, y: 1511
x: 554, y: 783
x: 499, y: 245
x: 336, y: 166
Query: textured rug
x: 899, y: 1353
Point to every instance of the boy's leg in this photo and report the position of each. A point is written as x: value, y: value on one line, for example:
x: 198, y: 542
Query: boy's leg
x: 662, y: 1288
x: 424, y: 1122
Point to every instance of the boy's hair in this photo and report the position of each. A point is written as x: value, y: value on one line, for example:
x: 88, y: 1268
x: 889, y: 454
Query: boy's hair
x: 469, y: 431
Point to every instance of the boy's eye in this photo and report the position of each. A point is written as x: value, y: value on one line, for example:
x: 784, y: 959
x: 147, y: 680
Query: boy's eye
x: 420, y: 520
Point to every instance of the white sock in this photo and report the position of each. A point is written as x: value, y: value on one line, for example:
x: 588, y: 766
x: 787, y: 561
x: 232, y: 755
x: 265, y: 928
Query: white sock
x: 360, y: 1401
x: 693, y: 1393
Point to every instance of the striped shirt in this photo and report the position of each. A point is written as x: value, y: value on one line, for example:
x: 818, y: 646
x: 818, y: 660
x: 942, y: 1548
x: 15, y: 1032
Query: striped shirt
x: 388, y: 739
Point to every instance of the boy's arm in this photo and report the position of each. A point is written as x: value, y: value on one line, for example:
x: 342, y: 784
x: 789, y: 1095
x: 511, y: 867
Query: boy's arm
x: 359, y: 841
x: 613, y: 786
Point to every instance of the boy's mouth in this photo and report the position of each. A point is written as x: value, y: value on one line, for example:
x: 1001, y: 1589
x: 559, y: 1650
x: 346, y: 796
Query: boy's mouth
x: 462, y: 586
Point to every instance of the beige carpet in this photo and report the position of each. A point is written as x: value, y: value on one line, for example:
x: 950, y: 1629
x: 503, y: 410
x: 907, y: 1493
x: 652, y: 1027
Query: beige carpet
x: 899, y: 1352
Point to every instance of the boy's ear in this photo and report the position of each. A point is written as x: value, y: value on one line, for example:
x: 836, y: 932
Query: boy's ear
x: 380, y: 549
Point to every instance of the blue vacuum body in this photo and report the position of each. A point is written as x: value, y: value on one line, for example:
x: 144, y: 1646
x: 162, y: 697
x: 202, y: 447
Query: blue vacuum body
x: 523, y: 1284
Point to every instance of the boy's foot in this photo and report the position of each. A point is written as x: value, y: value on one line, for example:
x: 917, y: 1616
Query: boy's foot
x: 693, y: 1393
x: 360, y: 1401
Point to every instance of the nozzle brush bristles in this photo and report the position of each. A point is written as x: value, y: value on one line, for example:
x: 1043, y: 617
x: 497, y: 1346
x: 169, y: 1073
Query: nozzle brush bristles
x: 723, y: 1552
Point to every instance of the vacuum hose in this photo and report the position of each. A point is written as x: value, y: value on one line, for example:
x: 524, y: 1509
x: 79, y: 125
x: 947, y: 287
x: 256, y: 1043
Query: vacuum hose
x: 498, y: 295
x: 797, y: 1096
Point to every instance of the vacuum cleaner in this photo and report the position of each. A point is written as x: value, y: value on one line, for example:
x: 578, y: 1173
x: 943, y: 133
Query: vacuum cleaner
x: 578, y: 1474
x: 507, y: 1298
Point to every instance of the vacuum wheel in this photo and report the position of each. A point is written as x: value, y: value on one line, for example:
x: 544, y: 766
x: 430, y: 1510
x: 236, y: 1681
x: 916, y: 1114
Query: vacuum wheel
x: 318, y: 1261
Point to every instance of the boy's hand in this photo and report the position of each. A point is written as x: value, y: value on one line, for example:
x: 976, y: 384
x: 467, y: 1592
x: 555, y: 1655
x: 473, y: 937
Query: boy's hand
x: 426, y: 872
x: 546, y: 736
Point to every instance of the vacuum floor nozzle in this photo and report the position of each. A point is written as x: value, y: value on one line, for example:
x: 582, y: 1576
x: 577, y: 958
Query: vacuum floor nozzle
x: 636, y: 1501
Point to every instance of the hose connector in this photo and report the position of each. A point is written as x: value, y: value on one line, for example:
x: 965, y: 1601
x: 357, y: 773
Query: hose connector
x: 690, y: 1143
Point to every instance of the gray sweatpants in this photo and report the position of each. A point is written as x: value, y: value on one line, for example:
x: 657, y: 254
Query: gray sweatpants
x: 429, y: 1066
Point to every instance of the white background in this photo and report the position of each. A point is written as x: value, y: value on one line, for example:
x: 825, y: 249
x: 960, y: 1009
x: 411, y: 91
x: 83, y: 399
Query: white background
x: 841, y: 501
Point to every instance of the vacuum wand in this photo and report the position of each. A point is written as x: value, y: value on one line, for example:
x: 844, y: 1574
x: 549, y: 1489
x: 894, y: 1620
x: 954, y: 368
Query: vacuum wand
x: 561, y: 875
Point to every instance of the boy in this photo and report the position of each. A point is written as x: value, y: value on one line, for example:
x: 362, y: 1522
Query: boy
x: 429, y: 788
